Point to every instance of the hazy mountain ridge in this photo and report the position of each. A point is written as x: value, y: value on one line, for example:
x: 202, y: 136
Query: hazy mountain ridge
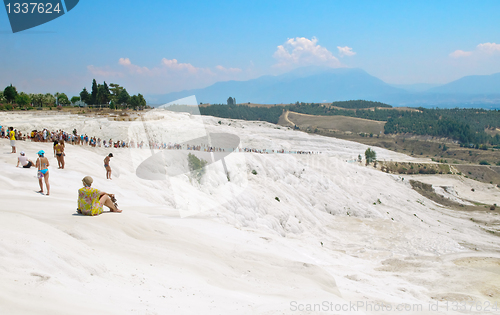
x: 314, y: 84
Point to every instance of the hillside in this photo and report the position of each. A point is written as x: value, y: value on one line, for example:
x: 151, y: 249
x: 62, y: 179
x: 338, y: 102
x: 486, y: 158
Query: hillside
x: 473, y: 84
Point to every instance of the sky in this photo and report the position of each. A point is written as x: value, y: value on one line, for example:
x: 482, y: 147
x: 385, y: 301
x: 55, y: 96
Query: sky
x: 157, y: 47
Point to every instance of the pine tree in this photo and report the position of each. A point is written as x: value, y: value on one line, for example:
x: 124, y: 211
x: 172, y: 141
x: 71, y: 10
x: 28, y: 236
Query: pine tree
x: 93, y: 99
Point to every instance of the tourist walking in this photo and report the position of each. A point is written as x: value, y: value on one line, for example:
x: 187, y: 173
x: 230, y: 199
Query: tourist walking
x: 106, y: 165
x: 42, y: 164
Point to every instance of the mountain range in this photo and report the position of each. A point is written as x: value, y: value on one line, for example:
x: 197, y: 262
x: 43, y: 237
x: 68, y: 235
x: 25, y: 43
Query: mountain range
x: 315, y: 84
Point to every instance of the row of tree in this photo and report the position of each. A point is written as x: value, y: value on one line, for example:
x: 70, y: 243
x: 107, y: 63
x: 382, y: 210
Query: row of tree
x: 10, y: 96
x: 114, y: 96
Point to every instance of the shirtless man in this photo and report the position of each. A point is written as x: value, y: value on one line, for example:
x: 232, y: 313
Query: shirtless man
x: 42, y: 164
x: 106, y: 165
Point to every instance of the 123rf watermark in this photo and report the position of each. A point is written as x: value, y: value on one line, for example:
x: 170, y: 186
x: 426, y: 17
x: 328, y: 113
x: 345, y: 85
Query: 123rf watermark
x: 481, y: 307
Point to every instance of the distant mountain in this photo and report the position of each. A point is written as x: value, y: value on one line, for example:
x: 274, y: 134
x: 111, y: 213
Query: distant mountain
x: 472, y: 84
x: 416, y: 88
x: 475, y: 91
x: 309, y: 84
x: 315, y: 84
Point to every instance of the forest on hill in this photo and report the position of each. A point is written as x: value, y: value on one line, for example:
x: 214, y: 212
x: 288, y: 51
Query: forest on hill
x: 464, y: 125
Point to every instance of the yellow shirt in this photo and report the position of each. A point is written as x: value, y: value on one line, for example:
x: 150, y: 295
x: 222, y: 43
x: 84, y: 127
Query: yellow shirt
x: 88, y: 201
x: 12, y: 135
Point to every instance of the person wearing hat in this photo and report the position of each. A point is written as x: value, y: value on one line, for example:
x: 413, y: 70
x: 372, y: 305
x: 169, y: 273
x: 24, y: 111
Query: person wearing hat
x: 106, y: 165
x: 24, y: 161
x: 42, y: 164
x: 91, y: 200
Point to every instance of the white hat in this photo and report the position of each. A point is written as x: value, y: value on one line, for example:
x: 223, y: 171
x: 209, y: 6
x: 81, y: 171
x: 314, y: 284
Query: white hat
x: 22, y: 153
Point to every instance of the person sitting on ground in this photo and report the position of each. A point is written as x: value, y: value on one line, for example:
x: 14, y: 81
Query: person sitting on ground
x: 42, y: 164
x: 24, y: 161
x: 91, y: 200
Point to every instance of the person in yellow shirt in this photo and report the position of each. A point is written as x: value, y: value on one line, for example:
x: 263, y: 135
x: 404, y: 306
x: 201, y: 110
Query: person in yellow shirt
x: 12, y: 137
x: 91, y: 200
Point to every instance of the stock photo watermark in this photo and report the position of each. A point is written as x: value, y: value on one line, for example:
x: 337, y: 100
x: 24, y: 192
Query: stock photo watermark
x: 24, y: 15
x: 479, y: 307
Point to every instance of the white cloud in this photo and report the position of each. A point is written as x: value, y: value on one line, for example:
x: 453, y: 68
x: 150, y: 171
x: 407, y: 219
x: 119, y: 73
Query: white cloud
x: 137, y: 69
x: 481, y: 49
x: 104, y: 71
x: 228, y: 70
x: 301, y: 51
x: 460, y: 53
x: 124, y: 62
x: 489, y: 48
x: 345, y: 51
x: 175, y: 65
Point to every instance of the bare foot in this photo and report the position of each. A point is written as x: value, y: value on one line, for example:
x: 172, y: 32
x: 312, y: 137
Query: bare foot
x: 117, y: 210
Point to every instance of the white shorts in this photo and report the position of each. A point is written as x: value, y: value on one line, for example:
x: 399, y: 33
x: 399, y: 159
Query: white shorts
x: 12, y: 143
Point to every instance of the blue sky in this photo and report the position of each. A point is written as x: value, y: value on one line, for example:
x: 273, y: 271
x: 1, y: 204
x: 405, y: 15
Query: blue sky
x: 164, y: 46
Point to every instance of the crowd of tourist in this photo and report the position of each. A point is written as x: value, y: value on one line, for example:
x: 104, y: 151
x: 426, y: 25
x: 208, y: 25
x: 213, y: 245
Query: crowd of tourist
x: 74, y: 138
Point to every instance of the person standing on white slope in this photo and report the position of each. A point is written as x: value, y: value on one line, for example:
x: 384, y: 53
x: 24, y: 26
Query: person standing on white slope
x: 42, y: 164
x: 12, y: 137
x: 106, y: 165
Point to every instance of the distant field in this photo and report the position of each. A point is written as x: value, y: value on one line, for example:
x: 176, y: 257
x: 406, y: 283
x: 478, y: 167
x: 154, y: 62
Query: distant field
x: 336, y: 123
x: 492, y: 132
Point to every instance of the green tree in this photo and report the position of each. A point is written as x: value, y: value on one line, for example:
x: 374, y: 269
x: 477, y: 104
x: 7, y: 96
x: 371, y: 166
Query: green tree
x: 10, y: 93
x: 2, y: 98
x: 370, y: 156
x: 37, y: 99
x: 75, y: 99
x: 93, y: 96
x: 115, y: 90
x: 105, y: 94
x: 62, y: 99
x: 49, y: 99
x: 142, y: 101
x: 23, y: 99
x: 124, y: 98
x: 135, y: 102
x: 85, y: 96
